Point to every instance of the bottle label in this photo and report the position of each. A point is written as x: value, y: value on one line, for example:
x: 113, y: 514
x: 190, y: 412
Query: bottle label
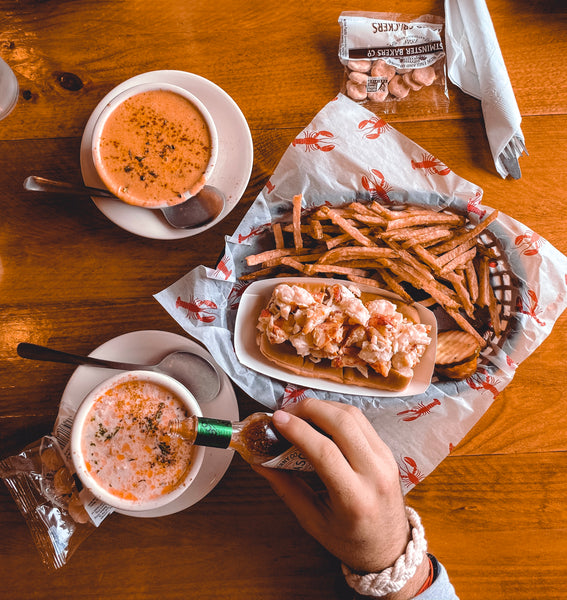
x: 214, y: 433
x: 292, y: 459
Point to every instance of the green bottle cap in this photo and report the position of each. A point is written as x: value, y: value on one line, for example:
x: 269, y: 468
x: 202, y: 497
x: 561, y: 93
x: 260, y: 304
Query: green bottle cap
x: 214, y: 433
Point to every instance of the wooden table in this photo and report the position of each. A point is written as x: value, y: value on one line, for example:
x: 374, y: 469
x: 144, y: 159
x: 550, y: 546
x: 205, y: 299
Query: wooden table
x: 494, y: 510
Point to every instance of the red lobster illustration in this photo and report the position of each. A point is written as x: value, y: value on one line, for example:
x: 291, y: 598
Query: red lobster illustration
x: 431, y: 164
x: 293, y: 394
x: 376, y: 185
x: 418, y: 410
x: 236, y: 293
x: 253, y: 232
x: 528, y: 243
x: 222, y: 267
x: 511, y: 362
x: 409, y: 473
x: 472, y: 205
x: 375, y: 127
x: 312, y: 140
x: 481, y: 380
x: 530, y: 308
x: 195, y: 310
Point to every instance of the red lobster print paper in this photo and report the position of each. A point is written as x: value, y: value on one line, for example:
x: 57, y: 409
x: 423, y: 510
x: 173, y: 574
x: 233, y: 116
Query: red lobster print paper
x: 348, y: 153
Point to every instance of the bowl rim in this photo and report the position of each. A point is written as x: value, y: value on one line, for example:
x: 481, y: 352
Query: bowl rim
x: 140, y: 88
x: 90, y: 483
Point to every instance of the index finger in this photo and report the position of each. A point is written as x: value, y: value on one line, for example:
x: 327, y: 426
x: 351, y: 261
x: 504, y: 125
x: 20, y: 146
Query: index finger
x: 350, y: 430
x: 325, y: 456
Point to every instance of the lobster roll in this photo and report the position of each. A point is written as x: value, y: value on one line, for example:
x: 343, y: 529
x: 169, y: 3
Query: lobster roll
x: 340, y: 333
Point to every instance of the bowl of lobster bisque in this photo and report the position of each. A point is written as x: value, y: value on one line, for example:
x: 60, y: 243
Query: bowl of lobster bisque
x: 155, y: 145
x: 120, y: 445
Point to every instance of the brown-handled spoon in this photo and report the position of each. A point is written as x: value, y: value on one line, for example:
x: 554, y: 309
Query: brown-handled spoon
x: 194, y: 371
x: 200, y: 209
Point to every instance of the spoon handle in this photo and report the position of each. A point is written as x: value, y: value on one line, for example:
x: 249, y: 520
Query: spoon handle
x: 33, y: 351
x: 40, y: 184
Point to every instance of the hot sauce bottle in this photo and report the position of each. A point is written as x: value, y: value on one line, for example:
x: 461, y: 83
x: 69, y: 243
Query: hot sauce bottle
x: 255, y: 439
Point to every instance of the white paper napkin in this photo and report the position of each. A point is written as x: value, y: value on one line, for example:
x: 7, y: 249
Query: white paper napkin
x: 475, y: 64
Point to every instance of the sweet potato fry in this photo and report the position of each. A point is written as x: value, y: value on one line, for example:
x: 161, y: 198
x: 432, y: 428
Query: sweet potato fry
x: 365, y: 281
x: 317, y: 268
x: 494, y: 311
x: 447, y: 257
x: 420, y: 219
x: 342, y: 239
x: 413, y: 235
x: 348, y: 252
x: 348, y: 227
x: 426, y: 256
x: 294, y: 264
x: 316, y: 229
x: 462, y: 292
x: 458, y: 261
x: 370, y: 219
x: 483, y: 281
x: 377, y: 208
x: 258, y: 274
x: 278, y: 235
x: 296, y: 216
x: 282, y: 260
x: 395, y: 285
x: 469, y: 234
x: 258, y: 259
x: 472, y: 281
x: 410, y: 260
x: 434, y: 289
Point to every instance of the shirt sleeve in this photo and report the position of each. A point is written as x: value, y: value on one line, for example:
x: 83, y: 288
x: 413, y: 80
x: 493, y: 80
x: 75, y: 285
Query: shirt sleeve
x: 441, y: 588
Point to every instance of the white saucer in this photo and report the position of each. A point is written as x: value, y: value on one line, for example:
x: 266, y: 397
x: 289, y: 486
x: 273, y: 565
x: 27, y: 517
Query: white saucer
x: 149, y: 347
x: 231, y: 174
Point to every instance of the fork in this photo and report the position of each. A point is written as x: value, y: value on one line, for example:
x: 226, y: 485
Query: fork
x: 509, y: 156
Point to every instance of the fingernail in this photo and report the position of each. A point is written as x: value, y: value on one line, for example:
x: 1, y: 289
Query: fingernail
x: 281, y: 417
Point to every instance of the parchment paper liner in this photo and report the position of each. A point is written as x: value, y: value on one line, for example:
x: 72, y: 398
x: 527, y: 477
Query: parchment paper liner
x: 361, y: 152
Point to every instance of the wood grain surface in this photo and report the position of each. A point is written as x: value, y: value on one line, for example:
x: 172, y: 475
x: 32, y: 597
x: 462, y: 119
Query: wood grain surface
x: 495, y: 510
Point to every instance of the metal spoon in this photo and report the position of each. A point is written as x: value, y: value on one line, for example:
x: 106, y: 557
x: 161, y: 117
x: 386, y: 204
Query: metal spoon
x: 200, y: 209
x: 194, y: 371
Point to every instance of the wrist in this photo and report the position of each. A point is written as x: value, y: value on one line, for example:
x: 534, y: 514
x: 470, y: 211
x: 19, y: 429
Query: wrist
x: 406, y: 575
x: 415, y: 584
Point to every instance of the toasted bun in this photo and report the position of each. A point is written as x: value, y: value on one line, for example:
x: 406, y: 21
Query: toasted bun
x: 459, y: 371
x: 455, y: 346
x: 285, y: 356
x: 457, y: 354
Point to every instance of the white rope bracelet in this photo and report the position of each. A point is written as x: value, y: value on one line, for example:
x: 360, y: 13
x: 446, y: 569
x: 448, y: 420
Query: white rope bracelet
x: 393, y: 578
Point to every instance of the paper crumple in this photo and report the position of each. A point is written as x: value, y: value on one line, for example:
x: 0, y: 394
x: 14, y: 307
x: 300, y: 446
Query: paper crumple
x: 348, y: 153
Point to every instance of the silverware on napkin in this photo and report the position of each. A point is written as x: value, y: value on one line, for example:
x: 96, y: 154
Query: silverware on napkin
x: 509, y: 156
x: 475, y: 64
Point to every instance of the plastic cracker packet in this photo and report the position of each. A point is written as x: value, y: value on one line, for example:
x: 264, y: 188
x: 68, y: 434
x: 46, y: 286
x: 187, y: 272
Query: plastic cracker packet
x: 394, y: 63
x: 46, y: 491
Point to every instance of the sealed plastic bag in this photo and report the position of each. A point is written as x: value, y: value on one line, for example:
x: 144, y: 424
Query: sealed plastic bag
x: 47, y: 494
x: 394, y: 63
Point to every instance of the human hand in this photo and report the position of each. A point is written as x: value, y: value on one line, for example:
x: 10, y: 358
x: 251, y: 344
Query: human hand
x: 360, y: 515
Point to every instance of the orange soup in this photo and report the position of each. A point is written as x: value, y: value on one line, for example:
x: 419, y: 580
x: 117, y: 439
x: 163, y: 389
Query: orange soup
x: 125, y: 450
x: 154, y: 149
